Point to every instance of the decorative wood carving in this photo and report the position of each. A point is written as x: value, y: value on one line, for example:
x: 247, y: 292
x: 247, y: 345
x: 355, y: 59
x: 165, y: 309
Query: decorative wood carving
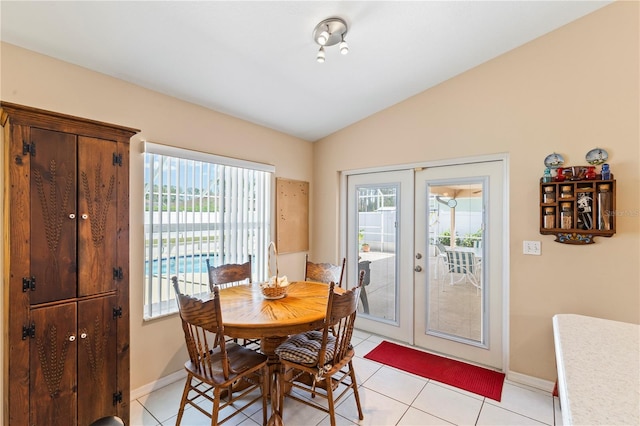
x: 98, y: 204
x: 51, y: 361
x: 94, y: 343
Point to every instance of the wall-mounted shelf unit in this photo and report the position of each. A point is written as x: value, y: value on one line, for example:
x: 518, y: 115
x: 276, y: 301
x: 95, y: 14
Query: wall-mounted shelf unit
x: 578, y: 211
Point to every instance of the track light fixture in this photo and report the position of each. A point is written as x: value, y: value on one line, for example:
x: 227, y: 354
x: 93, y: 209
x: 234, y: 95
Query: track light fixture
x: 330, y: 32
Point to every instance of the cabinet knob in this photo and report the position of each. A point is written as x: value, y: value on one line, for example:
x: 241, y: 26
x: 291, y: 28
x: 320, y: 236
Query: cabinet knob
x: 83, y: 335
x: 72, y: 215
x: 84, y: 216
x: 72, y: 338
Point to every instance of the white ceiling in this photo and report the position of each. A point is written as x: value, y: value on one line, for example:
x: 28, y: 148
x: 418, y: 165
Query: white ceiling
x: 256, y: 59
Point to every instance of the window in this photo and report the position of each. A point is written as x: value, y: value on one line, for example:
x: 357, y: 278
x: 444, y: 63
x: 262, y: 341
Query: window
x: 197, y: 207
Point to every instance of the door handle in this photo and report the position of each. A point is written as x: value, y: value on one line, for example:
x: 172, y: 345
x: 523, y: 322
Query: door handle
x: 418, y: 268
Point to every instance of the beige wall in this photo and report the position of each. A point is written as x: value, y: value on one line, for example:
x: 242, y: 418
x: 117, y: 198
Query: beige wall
x: 35, y: 80
x: 570, y: 91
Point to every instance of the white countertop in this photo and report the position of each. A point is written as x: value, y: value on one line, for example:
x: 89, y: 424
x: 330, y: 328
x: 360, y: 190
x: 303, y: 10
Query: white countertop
x: 598, y: 364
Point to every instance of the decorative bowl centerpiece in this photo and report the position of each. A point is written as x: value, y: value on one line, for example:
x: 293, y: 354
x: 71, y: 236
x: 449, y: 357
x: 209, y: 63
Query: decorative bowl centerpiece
x: 276, y: 287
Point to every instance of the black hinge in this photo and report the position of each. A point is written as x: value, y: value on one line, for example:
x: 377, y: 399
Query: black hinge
x: 28, y: 284
x: 29, y: 148
x: 117, y: 273
x: 117, y: 312
x: 117, y: 398
x: 117, y: 159
x: 28, y: 331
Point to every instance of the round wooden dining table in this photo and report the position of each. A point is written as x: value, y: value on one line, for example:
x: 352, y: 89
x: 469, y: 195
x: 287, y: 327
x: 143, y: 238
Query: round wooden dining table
x: 247, y: 314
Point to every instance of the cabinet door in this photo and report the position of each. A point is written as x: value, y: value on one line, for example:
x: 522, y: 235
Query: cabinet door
x: 53, y: 215
x: 97, y: 209
x: 53, y: 351
x: 97, y: 369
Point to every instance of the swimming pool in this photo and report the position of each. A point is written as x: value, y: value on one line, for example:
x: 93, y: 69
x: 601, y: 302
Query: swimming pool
x: 195, y: 263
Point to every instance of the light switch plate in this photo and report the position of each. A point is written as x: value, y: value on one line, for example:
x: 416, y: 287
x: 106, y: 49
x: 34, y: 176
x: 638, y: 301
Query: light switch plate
x: 531, y: 247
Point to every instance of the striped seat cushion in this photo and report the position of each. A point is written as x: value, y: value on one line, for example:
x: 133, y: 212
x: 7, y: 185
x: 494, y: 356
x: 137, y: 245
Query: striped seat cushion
x: 304, y: 348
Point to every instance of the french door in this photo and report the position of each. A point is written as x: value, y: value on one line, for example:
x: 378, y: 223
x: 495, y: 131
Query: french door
x: 380, y: 242
x: 458, y: 261
x: 430, y: 241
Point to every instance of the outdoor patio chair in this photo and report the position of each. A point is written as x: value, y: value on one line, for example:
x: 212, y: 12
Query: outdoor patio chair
x: 441, y: 259
x: 466, y: 264
x: 365, y: 267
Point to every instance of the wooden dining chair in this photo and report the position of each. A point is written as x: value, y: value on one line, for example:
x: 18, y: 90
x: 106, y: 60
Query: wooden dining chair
x: 228, y: 275
x: 320, y: 362
x: 324, y: 272
x: 215, y: 364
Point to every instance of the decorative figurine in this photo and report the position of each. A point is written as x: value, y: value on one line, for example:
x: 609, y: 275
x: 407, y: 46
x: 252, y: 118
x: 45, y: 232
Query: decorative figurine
x: 585, y: 211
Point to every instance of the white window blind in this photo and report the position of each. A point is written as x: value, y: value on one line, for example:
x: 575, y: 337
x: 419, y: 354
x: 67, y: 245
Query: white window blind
x: 200, y: 206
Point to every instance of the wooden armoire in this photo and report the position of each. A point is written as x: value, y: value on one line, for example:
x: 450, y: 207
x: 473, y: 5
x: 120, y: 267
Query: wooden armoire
x: 66, y: 268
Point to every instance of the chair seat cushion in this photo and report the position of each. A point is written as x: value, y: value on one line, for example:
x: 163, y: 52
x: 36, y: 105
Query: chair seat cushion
x: 304, y: 348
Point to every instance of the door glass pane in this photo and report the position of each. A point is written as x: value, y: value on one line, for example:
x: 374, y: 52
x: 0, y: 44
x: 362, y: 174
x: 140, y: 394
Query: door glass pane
x: 377, y: 242
x: 456, y: 233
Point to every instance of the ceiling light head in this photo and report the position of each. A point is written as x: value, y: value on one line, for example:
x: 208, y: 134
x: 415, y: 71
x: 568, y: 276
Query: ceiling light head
x: 323, y: 38
x: 344, y: 47
x: 329, y: 33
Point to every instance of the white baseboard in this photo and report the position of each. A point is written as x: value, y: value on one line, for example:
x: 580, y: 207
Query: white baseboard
x: 160, y: 383
x: 512, y: 376
x: 533, y: 382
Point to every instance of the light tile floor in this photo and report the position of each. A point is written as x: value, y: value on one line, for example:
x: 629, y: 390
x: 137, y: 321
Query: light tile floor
x: 389, y: 397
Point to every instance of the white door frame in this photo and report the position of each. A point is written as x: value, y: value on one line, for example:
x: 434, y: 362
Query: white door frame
x: 504, y: 157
